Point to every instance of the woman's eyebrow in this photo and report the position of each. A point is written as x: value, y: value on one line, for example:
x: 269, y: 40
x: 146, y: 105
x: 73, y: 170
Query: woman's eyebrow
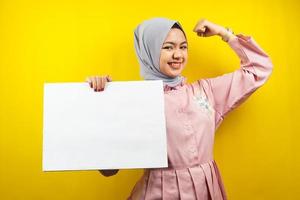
x: 185, y: 42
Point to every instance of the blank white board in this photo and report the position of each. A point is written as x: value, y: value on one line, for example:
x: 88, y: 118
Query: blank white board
x: 122, y: 127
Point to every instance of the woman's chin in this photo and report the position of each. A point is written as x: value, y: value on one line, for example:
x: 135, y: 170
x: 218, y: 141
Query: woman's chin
x: 172, y: 72
x: 174, y: 75
x: 176, y: 72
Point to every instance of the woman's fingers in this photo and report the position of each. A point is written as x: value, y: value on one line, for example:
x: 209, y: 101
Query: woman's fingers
x: 200, y: 26
x: 109, y: 79
x: 201, y: 34
x: 205, y: 28
x: 88, y: 79
x: 98, y: 82
x: 102, y: 84
x: 94, y: 83
x: 201, y: 29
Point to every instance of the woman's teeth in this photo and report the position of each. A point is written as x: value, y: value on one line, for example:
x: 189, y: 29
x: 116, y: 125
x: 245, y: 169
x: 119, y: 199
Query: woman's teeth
x: 175, y: 64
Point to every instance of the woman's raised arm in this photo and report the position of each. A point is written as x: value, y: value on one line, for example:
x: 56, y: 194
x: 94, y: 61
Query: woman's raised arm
x: 230, y: 90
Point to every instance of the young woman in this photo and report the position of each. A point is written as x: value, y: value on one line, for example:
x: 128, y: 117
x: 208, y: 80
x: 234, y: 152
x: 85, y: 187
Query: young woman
x: 193, y: 110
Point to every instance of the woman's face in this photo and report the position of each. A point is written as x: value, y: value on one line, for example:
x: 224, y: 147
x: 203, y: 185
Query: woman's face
x: 174, y: 54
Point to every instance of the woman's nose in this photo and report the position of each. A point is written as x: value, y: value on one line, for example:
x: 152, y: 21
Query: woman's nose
x: 177, y: 53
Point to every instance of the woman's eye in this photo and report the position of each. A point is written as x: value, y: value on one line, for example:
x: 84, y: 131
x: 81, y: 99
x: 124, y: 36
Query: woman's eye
x: 168, y: 47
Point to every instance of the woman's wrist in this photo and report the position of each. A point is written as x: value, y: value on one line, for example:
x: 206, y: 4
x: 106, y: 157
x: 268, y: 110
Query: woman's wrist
x: 226, y: 34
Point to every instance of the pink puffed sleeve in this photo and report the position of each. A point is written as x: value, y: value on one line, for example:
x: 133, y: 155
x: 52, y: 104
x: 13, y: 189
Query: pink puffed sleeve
x: 228, y: 91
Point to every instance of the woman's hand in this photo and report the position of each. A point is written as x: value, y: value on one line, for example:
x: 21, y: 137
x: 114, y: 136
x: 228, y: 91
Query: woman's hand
x: 205, y: 28
x: 108, y: 172
x: 98, y: 82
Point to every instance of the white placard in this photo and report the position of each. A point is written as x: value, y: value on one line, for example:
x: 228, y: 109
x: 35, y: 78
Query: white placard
x: 122, y: 127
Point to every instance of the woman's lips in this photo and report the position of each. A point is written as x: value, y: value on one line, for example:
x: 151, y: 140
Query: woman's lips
x: 175, y: 65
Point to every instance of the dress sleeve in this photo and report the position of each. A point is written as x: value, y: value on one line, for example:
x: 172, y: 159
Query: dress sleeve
x: 230, y: 90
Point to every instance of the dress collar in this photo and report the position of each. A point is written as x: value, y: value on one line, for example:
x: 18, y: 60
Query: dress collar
x: 168, y: 88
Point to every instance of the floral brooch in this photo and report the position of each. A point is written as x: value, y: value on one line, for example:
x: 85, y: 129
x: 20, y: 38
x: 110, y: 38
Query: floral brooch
x: 203, y: 103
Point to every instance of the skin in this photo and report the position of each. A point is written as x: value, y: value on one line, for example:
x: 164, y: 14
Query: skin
x: 203, y: 28
x: 176, y: 51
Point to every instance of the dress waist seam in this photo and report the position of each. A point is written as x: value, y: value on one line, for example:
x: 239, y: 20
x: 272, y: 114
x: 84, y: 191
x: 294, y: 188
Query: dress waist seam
x: 171, y: 168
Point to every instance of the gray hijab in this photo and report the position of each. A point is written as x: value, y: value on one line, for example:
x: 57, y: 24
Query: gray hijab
x: 148, y: 40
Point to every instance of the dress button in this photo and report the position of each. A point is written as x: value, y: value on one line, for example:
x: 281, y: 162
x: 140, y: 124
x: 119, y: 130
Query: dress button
x: 188, y: 128
x: 180, y: 110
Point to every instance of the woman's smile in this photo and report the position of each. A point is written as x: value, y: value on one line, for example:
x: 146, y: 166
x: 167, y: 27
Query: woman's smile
x: 175, y: 65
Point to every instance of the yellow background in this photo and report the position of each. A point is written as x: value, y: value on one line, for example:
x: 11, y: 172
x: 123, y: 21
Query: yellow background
x: 256, y: 147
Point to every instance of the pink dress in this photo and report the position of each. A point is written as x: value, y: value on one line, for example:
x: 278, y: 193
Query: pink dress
x: 193, y: 113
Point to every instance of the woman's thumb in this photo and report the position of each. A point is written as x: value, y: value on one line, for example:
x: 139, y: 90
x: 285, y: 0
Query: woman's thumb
x: 108, y: 78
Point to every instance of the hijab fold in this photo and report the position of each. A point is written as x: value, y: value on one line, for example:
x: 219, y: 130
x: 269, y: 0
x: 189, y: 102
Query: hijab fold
x: 149, y: 37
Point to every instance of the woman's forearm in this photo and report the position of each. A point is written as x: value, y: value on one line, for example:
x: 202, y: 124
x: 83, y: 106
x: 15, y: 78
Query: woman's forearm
x: 226, y: 35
